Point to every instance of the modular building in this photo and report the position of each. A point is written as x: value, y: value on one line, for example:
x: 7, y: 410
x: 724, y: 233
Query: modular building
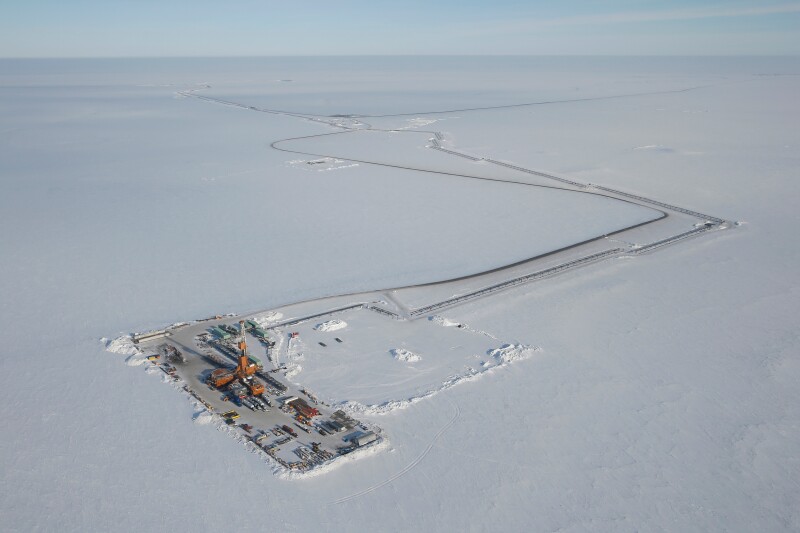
x: 333, y: 426
x: 366, y: 438
x: 220, y: 333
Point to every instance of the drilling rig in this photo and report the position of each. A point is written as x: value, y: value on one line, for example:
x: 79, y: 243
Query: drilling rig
x: 244, y: 371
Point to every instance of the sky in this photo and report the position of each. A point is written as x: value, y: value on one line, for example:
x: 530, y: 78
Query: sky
x: 170, y: 28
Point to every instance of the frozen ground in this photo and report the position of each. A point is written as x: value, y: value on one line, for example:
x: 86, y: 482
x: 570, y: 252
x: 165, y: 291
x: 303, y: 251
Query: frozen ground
x: 665, y: 396
x: 381, y: 364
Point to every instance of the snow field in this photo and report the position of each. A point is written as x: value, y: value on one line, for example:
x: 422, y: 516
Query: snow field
x: 356, y: 374
x: 321, y: 165
x: 268, y: 317
x: 667, y: 392
x: 405, y: 356
x: 331, y: 325
x: 511, y: 352
x: 122, y: 345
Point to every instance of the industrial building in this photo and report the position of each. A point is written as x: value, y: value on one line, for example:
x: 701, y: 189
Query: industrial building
x: 366, y: 438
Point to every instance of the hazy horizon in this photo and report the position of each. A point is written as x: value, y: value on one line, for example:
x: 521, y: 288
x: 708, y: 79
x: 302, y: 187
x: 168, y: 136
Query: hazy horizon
x: 47, y: 28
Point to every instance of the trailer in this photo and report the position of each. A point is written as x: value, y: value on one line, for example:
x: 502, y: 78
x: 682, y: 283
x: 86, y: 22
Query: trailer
x: 220, y: 333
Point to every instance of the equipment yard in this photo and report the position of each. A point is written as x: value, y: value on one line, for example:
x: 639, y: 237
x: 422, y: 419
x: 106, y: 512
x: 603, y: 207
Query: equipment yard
x: 219, y: 364
x: 361, y: 357
x: 369, y: 353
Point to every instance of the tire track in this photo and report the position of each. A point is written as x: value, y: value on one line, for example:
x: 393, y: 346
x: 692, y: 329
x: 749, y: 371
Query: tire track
x: 410, y: 466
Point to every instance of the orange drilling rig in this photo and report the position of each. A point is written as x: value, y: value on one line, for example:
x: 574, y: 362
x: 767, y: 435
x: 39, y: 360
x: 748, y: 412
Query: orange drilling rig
x: 244, y: 371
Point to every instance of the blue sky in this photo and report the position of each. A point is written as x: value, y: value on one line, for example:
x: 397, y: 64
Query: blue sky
x: 144, y: 28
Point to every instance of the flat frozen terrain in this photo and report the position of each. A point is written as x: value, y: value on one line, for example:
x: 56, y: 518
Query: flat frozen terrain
x: 664, y: 395
x: 381, y: 363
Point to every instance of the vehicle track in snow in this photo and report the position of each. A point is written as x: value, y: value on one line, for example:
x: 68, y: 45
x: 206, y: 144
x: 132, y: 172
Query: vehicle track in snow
x: 410, y: 466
